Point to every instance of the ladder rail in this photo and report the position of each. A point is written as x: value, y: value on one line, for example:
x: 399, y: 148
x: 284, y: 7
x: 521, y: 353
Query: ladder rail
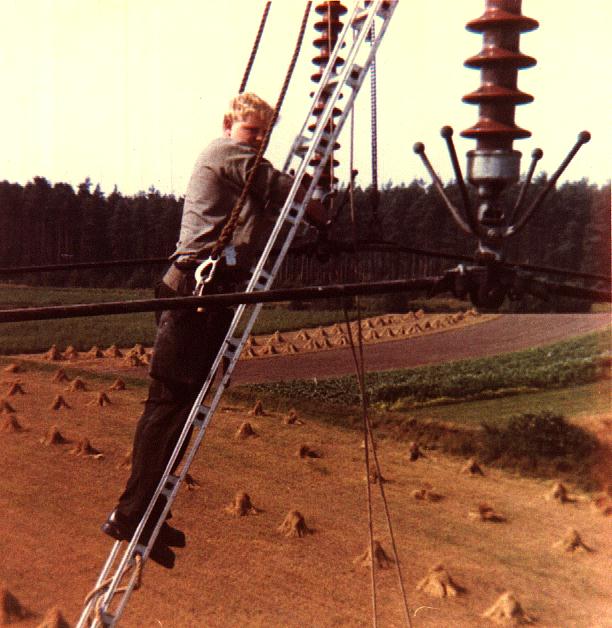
x: 231, y: 347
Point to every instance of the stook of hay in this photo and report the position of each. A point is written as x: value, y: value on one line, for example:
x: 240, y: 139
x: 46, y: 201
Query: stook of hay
x: 602, y: 504
x: 95, y: 352
x: 77, y: 385
x: 16, y: 389
x: 102, y: 399
x: 6, y: 407
x: 376, y: 477
x: 59, y: 402
x: 414, y: 452
x: 13, y: 368
x: 245, y: 431
x: 11, y: 609
x: 54, y: 619
x: 472, y: 467
x: 294, y: 525
x: 425, y: 494
x: 191, y: 482
x: 54, y: 437
x: 559, y: 494
x: 292, y: 418
x: 70, y: 353
x: 241, y: 506
x: 132, y: 359
x: 85, y: 449
x: 507, y: 610
x: 60, y: 376
x: 572, y: 542
x: 439, y: 583
x: 258, y: 409
x: 53, y: 354
x: 118, y: 384
x: 113, y: 352
x: 486, y: 513
x: 305, y: 451
x: 381, y: 559
x: 137, y: 349
x: 11, y: 425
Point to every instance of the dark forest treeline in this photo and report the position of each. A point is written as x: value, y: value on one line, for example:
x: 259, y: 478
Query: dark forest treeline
x: 45, y: 223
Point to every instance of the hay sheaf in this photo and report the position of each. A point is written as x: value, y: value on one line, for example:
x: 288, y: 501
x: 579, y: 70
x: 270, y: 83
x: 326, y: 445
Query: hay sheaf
x: 70, y: 353
x: 241, y: 506
x: 54, y: 618
x: 85, y: 449
x: 305, y: 451
x: 381, y: 559
x: 13, y: 368
x: 572, y: 542
x: 6, y: 407
x: 414, y: 452
x: 54, y: 437
x: 559, y: 494
x: 472, y: 467
x: 16, y: 389
x: 292, y: 418
x: 53, y: 354
x: 101, y: 399
x: 113, y: 352
x: 258, y: 409
x: 484, y: 512
x: 507, y: 611
x: 59, y: 402
x: 11, y: 609
x: 118, y: 384
x: 60, y: 376
x: 294, y: 525
x: 11, y: 425
x: 425, y: 494
x: 245, y: 431
x: 77, y: 385
x: 191, y: 483
x: 439, y: 583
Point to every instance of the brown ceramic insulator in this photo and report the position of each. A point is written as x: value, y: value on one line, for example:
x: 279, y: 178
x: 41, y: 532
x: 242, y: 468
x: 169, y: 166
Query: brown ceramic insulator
x: 329, y: 28
x: 499, y: 61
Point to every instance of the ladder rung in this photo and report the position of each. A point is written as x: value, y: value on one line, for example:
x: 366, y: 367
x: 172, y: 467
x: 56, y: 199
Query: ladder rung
x: 353, y: 79
x: 170, y: 484
x: 293, y: 214
x: 203, y: 411
x: 263, y: 281
x: 300, y: 146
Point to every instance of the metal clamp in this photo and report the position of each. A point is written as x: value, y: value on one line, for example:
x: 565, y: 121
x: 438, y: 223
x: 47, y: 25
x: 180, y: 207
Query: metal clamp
x: 204, y: 274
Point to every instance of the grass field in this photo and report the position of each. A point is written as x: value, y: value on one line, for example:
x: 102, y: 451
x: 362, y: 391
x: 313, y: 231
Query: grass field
x: 121, y: 329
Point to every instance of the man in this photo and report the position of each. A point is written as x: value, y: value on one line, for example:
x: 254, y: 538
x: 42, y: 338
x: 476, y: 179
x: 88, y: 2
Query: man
x: 187, y: 342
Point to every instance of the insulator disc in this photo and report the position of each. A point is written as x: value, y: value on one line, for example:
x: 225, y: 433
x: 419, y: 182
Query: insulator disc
x: 489, y: 129
x: 494, y: 56
x: 333, y: 6
x: 497, y: 93
x: 498, y: 18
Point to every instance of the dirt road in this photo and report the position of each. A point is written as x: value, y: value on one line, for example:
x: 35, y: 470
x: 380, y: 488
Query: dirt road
x: 507, y: 333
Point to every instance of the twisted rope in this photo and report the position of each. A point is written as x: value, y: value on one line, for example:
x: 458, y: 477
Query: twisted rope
x: 251, y: 60
x: 98, y: 592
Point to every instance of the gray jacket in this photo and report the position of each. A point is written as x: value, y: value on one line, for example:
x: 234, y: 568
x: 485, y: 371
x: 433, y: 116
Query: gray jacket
x: 219, y: 175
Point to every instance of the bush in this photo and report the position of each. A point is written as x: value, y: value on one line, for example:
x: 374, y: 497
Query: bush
x: 533, y: 437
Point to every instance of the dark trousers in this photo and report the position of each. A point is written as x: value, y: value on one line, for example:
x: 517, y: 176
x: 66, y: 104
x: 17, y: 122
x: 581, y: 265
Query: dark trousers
x: 165, y: 413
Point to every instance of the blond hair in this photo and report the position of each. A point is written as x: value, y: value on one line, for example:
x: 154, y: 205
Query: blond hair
x: 247, y: 104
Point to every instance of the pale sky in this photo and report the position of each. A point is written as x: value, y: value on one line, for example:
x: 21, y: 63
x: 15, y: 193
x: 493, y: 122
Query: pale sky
x: 127, y: 92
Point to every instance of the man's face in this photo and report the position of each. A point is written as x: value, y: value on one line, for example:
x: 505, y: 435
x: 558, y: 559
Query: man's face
x: 249, y: 130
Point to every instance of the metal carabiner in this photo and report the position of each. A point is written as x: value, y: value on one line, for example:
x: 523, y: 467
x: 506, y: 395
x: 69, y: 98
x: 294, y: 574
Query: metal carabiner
x: 204, y: 274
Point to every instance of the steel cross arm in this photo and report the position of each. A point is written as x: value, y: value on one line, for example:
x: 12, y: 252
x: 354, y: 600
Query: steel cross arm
x: 215, y: 300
